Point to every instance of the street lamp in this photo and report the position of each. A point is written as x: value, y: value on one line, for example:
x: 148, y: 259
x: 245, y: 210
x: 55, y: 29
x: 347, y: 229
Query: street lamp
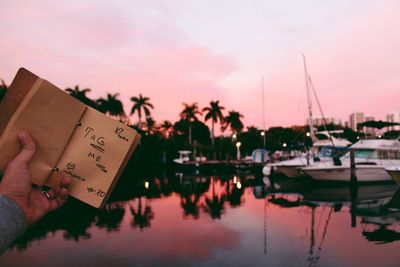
x: 308, y: 134
x: 238, y: 144
x: 284, y: 145
x: 263, y: 136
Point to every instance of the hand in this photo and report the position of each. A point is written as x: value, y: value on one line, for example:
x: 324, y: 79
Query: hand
x: 17, y: 185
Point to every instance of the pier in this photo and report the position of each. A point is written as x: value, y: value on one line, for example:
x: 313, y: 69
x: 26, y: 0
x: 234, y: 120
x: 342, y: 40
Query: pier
x: 219, y: 165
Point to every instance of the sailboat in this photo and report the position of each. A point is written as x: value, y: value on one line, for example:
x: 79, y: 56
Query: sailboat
x: 323, y: 150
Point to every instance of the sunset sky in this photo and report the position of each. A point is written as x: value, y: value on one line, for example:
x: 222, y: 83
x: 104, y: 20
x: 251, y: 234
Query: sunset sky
x: 196, y: 51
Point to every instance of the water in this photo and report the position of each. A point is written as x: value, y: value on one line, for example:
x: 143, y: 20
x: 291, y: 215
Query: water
x: 230, y: 220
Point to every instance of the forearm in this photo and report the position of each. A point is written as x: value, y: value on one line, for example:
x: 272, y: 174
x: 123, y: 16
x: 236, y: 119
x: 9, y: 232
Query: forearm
x: 12, y: 222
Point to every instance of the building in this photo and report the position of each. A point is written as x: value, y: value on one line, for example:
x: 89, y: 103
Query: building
x: 354, y: 119
x: 329, y: 120
x: 393, y: 116
x: 369, y: 131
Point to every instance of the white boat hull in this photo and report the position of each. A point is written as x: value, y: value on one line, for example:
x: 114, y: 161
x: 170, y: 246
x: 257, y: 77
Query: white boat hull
x: 290, y: 168
x: 289, y: 171
x: 342, y: 174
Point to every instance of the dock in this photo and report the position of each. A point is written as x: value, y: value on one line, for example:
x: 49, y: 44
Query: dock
x: 220, y: 165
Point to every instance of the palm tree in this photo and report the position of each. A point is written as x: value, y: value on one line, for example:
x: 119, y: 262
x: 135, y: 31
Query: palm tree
x: 166, y: 128
x: 214, y: 112
x: 150, y: 125
x: 80, y: 94
x: 233, y: 122
x: 141, y: 103
x: 189, y: 114
x: 112, y: 106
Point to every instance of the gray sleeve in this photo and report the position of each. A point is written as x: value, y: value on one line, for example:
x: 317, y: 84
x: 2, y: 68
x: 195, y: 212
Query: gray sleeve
x: 12, y: 222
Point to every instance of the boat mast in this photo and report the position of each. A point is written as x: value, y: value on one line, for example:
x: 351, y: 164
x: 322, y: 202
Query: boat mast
x: 309, y: 102
x: 263, y: 110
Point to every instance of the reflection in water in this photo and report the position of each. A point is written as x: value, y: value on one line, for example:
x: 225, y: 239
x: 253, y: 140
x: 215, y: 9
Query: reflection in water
x: 191, y: 189
x: 190, y: 205
x: 215, y: 204
x: 196, y: 199
x: 234, y: 192
x: 141, y: 217
x: 73, y: 219
x: 377, y: 205
x: 382, y: 235
x: 111, y: 216
x: 314, y: 253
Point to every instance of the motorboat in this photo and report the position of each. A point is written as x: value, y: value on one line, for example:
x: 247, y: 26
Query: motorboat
x: 323, y: 150
x: 371, y: 157
x: 183, y: 156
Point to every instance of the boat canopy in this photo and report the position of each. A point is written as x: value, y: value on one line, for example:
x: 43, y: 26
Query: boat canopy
x: 377, y: 144
x: 184, y: 152
x: 336, y: 142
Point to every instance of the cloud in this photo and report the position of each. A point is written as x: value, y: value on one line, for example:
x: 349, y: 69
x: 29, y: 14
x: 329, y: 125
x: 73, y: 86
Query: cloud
x: 136, y: 47
x: 125, y: 47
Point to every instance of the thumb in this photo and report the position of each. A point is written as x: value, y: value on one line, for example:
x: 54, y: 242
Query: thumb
x: 28, y: 148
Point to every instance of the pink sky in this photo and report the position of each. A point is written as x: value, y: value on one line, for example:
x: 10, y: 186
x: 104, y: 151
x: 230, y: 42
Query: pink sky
x: 194, y: 51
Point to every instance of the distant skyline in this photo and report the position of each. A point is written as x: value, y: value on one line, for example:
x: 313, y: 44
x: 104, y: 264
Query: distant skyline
x: 198, y: 51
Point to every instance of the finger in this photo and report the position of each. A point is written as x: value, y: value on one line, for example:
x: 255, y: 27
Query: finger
x: 53, y: 193
x: 59, y: 200
x: 65, y: 182
x: 57, y: 190
x: 28, y: 148
x: 59, y: 194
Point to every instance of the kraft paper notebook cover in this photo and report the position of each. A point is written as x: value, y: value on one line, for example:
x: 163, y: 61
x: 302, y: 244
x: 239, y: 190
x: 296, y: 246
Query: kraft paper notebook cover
x: 70, y: 137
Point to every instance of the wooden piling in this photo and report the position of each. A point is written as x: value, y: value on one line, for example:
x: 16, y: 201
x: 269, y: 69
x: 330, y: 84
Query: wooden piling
x: 353, y: 174
x: 353, y: 206
x: 353, y: 189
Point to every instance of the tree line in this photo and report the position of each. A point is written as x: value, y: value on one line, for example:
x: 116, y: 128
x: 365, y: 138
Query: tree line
x: 142, y: 107
x: 162, y: 140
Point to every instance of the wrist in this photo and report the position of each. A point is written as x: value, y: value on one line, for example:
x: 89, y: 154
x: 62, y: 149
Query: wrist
x: 19, y: 209
x: 20, y: 204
